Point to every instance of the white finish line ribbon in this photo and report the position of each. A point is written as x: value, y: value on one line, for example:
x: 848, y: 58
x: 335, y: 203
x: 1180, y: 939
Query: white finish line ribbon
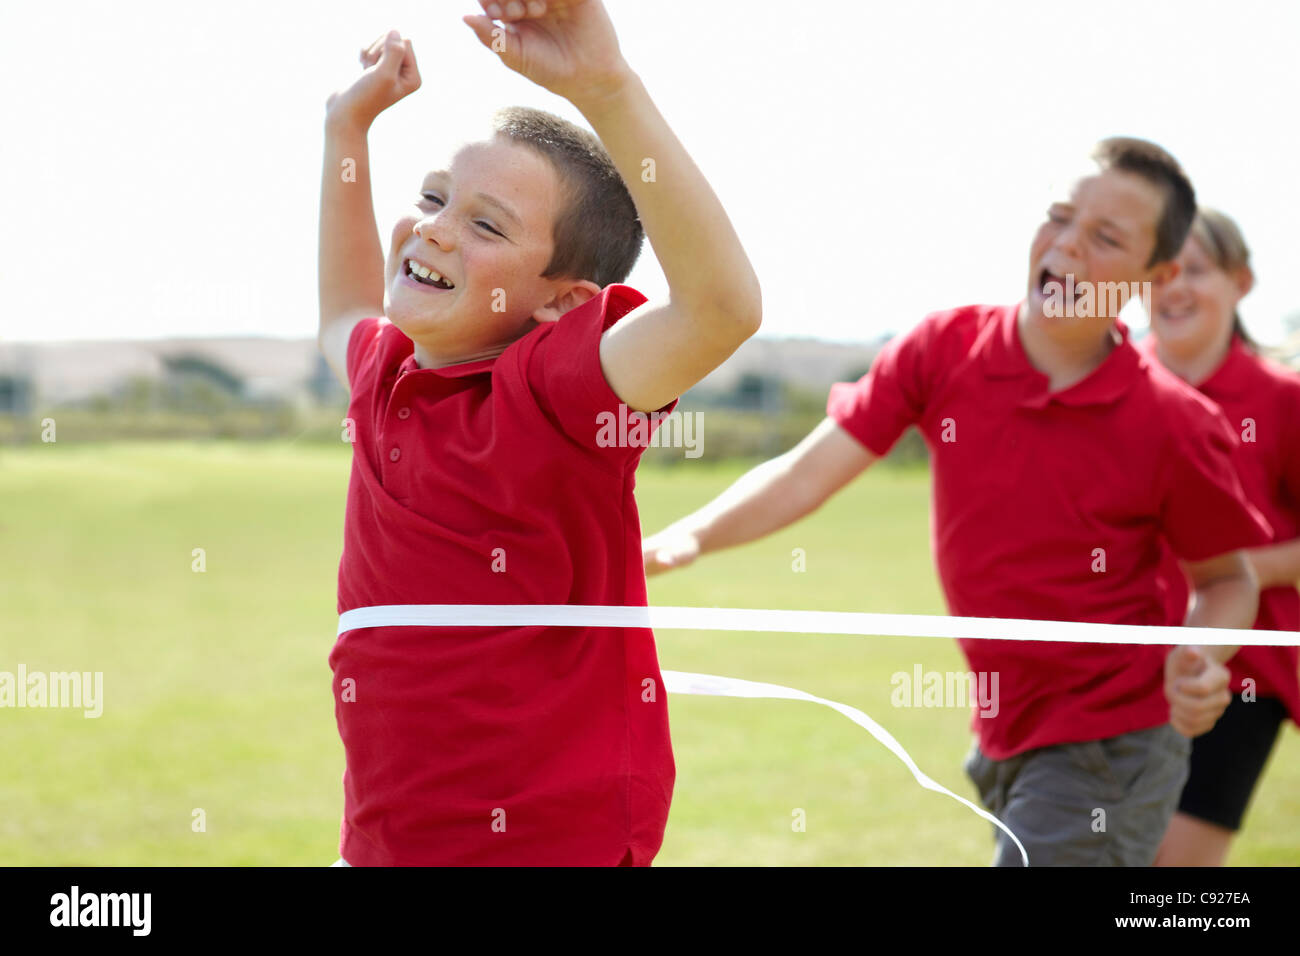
x: 794, y: 622
x: 679, y: 682
x: 799, y: 622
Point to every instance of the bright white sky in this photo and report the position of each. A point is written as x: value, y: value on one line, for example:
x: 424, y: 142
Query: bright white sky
x: 880, y: 160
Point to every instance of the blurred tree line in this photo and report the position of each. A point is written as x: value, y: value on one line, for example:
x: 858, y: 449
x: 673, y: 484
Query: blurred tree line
x: 759, y: 417
x: 763, y: 416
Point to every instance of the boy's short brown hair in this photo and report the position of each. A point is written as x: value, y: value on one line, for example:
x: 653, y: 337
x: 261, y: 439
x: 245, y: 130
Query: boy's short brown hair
x: 1157, y: 167
x: 597, y: 233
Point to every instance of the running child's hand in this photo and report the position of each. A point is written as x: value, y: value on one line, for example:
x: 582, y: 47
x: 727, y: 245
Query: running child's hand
x: 1197, y: 688
x: 668, y: 550
x: 390, y: 74
x: 567, y: 46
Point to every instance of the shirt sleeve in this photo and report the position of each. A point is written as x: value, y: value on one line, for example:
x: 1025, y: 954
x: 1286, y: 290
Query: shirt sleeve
x: 363, y: 350
x: 880, y: 406
x: 565, y: 377
x: 1204, y: 511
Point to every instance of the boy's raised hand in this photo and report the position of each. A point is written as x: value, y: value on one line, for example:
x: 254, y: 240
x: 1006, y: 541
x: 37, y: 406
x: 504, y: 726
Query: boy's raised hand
x: 567, y: 46
x: 659, y: 349
x: 351, y: 256
x: 390, y: 74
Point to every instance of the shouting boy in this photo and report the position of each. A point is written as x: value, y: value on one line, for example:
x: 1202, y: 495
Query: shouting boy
x: 477, y: 473
x: 1061, y: 458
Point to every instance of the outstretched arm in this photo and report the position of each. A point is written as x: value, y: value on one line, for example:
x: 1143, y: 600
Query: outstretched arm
x: 351, y: 257
x: 1276, y: 565
x: 659, y: 350
x: 765, y: 499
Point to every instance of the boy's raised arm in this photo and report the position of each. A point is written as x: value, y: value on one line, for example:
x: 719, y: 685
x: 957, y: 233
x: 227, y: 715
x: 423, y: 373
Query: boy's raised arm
x: 659, y: 350
x: 351, y: 263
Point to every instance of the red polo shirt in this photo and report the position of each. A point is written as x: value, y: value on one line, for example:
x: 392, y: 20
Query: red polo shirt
x: 1052, y: 506
x: 1261, y: 401
x: 486, y: 483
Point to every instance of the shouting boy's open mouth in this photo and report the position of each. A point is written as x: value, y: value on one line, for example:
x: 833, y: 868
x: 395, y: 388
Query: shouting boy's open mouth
x: 1047, y: 277
x: 425, y: 276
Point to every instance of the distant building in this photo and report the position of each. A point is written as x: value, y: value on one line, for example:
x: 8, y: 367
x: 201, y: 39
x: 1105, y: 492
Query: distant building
x: 186, y: 370
x: 323, y: 386
x: 241, y: 369
x: 16, y: 393
x: 17, y: 386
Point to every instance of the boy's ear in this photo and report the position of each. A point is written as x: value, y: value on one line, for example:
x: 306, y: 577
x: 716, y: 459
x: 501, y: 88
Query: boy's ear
x: 569, y: 296
x: 1163, y: 272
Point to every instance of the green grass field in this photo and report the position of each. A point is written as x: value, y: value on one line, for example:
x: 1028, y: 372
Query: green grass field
x: 217, y: 692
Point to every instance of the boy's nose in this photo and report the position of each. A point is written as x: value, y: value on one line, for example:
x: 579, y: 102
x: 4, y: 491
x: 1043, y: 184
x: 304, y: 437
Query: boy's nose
x: 431, y: 229
x: 1172, y: 289
x: 1067, y: 240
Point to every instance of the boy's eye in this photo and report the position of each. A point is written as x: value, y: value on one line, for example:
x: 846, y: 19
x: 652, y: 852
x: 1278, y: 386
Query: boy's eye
x: 431, y: 197
x: 483, y: 225
x: 1108, y: 240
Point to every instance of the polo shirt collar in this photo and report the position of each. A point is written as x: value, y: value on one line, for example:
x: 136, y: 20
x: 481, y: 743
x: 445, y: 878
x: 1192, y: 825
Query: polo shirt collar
x: 1004, y: 357
x: 1232, y: 378
x: 460, y: 370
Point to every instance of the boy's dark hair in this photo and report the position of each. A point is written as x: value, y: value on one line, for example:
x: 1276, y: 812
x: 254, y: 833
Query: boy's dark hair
x: 1160, y: 169
x: 597, y: 232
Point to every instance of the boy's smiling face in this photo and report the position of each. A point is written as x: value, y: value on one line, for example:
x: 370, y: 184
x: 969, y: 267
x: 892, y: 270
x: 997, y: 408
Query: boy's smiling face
x: 1103, y: 231
x: 485, y: 225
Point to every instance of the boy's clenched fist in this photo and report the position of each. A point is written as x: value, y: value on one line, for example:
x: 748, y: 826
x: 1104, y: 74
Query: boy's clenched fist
x: 566, y: 46
x: 390, y: 74
x: 1196, y: 686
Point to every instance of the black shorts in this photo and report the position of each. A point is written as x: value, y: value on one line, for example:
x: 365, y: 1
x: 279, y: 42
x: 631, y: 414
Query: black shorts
x: 1227, y: 762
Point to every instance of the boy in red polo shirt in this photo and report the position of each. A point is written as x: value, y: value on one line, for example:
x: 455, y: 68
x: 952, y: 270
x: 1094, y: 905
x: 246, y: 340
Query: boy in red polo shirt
x: 1061, y: 459
x: 481, y: 473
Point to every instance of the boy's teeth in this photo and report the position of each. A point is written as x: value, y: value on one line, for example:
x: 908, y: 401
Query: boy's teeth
x: 424, y: 272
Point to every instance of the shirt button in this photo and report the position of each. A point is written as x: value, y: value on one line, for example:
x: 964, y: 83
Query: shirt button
x: 403, y: 413
x: 395, y: 454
